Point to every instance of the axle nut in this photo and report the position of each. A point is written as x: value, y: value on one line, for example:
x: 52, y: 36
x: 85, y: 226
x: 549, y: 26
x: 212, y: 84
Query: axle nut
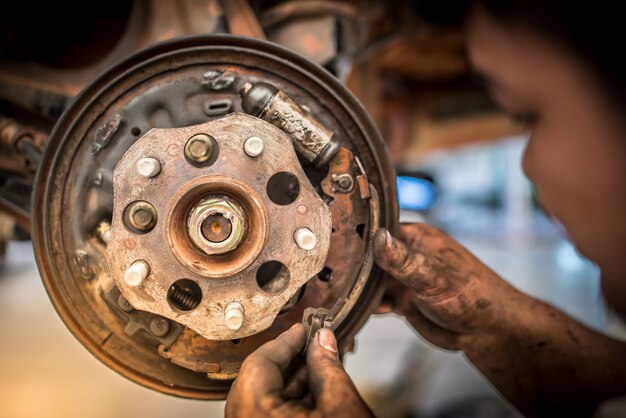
x: 216, y: 224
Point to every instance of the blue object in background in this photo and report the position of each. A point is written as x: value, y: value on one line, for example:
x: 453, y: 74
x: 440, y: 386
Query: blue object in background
x: 416, y: 193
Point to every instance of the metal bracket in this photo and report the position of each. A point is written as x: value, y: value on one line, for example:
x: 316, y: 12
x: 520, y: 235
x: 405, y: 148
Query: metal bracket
x: 314, y: 319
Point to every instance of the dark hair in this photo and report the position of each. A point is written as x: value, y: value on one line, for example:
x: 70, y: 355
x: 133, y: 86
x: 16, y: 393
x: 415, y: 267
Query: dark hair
x: 591, y: 31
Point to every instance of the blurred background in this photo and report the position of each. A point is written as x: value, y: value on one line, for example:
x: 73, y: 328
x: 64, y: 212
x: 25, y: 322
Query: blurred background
x: 458, y: 163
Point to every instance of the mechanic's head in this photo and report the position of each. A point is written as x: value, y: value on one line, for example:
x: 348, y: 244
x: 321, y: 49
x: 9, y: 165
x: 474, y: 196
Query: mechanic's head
x: 558, y: 66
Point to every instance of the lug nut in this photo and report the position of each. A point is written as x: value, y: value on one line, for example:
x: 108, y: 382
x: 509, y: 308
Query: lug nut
x: 136, y: 273
x: 233, y: 316
x: 198, y: 148
x: 305, y: 238
x: 253, y: 146
x: 148, y: 167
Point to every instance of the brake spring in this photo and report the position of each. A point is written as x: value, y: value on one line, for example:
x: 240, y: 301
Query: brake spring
x: 183, y: 299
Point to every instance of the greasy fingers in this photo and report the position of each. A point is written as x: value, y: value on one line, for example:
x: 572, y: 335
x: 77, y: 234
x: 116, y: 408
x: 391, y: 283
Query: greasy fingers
x: 408, y: 266
x: 260, y: 382
x: 333, y: 391
x: 450, y: 293
x: 280, y: 351
x: 298, y: 384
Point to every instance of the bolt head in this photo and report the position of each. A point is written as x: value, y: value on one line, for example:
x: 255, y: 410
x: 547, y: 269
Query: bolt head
x: 305, y: 238
x: 233, y: 316
x: 343, y: 182
x: 198, y: 148
x: 136, y: 273
x: 123, y: 304
x: 140, y: 216
x: 148, y: 167
x: 216, y: 225
x: 159, y: 327
x: 254, y: 146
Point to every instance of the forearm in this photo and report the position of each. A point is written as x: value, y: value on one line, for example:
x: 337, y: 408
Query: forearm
x: 545, y: 362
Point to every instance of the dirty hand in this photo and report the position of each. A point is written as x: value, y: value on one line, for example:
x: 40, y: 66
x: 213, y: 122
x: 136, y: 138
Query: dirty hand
x: 447, y: 294
x: 321, y: 388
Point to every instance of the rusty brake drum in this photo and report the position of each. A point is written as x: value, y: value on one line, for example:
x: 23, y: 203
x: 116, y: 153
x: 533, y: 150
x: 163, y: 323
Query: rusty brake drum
x: 197, y: 198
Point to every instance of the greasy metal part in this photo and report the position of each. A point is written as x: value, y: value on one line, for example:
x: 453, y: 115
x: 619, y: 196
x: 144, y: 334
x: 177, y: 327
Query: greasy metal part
x: 236, y: 188
x: 198, y: 148
x: 343, y: 183
x: 368, y: 260
x: 27, y: 142
x: 140, y: 216
x: 364, y: 186
x: 311, y: 139
x: 162, y: 87
x: 329, y: 33
x: 83, y: 264
x: 315, y: 318
x: 217, y: 224
x: 105, y: 133
x: 161, y: 329
x: 103, y: 231
x: 216, y: 228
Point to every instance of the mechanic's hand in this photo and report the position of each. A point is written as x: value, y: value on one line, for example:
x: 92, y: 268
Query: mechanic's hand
x: 446, y: 293
x: 321, y: 388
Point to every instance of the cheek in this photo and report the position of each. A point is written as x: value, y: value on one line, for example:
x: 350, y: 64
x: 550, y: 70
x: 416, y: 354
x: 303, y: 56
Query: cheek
x: 578, y: 167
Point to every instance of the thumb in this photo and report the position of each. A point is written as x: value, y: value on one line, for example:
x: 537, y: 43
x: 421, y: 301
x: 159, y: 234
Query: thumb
x: 406, y: 265
x: 331, y: 387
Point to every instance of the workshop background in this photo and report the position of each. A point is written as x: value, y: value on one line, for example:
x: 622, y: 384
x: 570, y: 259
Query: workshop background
x: 458, y: 163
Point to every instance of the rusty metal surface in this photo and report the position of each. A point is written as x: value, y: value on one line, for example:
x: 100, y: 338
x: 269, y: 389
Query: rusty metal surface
x: 310, y: 138
x: 241, y: 19
x: 23, y: 143
x: 160, y: 88
x: 222, y: 278
x: 329, y: 33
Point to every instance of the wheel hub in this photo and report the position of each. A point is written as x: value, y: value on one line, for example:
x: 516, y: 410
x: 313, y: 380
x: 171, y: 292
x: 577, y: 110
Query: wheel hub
x: 228, y: 192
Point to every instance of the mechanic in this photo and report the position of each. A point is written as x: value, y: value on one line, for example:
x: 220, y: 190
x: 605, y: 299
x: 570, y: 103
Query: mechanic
x: 557, y: 66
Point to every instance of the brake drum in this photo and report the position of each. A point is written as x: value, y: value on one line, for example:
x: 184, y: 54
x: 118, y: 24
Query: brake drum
x: 197, y: 198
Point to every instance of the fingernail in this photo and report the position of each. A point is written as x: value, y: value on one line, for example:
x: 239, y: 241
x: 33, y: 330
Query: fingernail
x: 389, y: 239
x: 327, y: 340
